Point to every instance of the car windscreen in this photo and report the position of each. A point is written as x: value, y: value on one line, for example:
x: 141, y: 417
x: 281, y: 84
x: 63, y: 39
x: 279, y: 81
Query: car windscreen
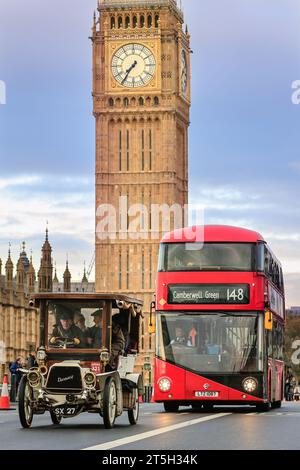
x: 73, y: 325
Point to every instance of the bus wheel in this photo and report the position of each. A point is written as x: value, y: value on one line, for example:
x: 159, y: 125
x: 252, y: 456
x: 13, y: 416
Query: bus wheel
x: 25, y: 406
x: 171, y: 406
x: 208, y: 407
x: 276, y: 404
x: 197, y: 406
x: 54, y: 418
x: 110, y: 403
x: 133, y: 415
x: 262, y: 407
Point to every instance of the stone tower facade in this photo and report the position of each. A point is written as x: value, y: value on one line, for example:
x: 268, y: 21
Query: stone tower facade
x: 141, y: 93
x: 46, y: 269
x: 67, y: 279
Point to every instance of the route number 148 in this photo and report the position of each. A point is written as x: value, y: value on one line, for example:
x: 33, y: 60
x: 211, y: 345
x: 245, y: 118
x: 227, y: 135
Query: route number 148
x: 235, y: 294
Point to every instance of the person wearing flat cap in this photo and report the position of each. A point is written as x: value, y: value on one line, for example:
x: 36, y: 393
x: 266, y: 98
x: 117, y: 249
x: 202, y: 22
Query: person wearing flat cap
x: 66, y: 330
x: 94, y: 335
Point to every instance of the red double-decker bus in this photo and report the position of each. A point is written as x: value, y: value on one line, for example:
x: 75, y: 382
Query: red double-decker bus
x: 220, y: 319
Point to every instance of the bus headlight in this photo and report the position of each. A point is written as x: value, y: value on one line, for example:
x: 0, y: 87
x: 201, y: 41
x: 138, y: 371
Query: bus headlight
x: 250, y: 384
x: 164, y: 384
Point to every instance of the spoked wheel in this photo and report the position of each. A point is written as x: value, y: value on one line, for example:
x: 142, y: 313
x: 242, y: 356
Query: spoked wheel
x: 25, y: 403
x: 54, y: 418
x: 110, y: 403
x: 171, y: 406
x: 133, y: 415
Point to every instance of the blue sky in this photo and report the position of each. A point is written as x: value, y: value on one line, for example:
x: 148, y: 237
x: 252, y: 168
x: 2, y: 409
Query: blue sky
x: 244, y: 135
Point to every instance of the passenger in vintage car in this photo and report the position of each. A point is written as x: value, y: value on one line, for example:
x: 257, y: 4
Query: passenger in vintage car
x: 94, y: 336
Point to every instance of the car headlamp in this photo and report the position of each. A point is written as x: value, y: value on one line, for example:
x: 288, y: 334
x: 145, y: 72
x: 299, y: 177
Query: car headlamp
x: 104, y: 356
x: 41, y: 354
x: 164, y: 384
x: 34, y: 378
x: 90, y: 379
x: 250, y: 384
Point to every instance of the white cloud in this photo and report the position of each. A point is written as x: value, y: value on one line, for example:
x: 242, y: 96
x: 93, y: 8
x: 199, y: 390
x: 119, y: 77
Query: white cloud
x: 19, y: 181
x: 27, y: 203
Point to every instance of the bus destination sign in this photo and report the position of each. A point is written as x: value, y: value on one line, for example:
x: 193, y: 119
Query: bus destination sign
x: 209, y: 294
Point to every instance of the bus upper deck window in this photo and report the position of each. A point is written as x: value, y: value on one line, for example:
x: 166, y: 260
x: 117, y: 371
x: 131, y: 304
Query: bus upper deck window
x: 260, y: 257
x: 162, y: 258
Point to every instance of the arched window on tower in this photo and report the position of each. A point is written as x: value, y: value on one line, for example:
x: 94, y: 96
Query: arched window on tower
x: 111, y: 102
x: 120, y: 270
x: 126, y: 102
x: 134, y: 21
x: 141, y: 101
x: 127, y: 22
x: 143, y: 269
x: 156, y: 101
x: 112, y: 22
x: 127, y: 269
x: 142, y: 21
x: 156, y: 21
x: 120, y: 22
x: 149, y: 21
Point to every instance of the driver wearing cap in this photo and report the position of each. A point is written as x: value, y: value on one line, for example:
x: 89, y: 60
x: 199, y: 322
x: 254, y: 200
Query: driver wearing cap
x: 66, y: 333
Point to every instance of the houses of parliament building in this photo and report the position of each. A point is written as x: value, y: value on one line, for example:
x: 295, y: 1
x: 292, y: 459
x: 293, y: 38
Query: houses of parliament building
x: 19, y: 322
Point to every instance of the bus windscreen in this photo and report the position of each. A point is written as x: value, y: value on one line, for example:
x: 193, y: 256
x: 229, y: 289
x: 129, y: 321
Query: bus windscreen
x: 176, y: 257
x: 214, y: 343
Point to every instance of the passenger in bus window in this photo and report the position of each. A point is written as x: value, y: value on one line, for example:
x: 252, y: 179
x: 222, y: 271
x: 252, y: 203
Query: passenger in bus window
x: 192, y: 337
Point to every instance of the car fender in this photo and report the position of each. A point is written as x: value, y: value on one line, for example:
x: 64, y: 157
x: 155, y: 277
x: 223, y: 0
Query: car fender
x: 138, y: 380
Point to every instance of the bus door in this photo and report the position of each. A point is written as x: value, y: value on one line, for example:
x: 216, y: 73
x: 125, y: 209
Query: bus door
x: 275, y: 361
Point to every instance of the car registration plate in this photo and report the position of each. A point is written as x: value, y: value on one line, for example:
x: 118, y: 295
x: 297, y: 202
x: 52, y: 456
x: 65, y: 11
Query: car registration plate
x: 65, y: 410
x: 207, y: 394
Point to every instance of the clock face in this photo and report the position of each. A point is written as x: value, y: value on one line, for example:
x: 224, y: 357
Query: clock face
x: 133, y: 65
x: 184, y: 71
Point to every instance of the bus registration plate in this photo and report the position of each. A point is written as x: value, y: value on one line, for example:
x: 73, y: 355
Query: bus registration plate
x: 207, y: 394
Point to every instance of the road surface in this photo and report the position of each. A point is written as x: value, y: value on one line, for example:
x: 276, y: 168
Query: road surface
x: 227, y: 428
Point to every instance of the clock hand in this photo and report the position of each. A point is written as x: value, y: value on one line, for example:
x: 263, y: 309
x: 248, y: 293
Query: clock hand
x: 129, y: 70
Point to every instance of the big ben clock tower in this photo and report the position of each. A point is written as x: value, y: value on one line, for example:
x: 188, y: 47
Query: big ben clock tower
x: 141, y: 93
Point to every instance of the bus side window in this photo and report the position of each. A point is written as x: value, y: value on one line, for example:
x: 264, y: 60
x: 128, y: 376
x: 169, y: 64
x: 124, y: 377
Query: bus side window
x: 267, y: 262
x: 281, y: 280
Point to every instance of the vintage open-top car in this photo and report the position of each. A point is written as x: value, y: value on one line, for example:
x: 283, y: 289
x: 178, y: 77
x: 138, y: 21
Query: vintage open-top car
x: 85, y: 362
